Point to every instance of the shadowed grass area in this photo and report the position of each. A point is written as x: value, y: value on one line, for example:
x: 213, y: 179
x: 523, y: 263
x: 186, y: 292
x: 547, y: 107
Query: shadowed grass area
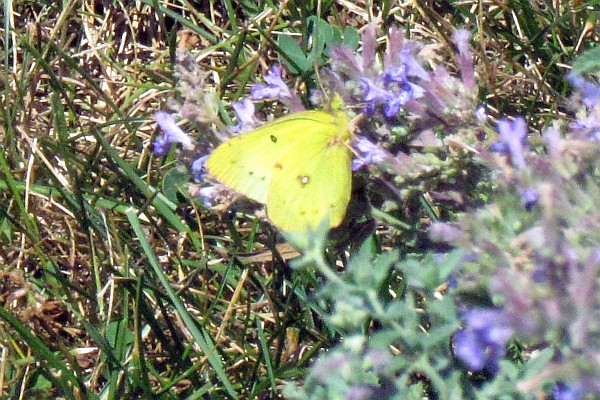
x: 112, y: 288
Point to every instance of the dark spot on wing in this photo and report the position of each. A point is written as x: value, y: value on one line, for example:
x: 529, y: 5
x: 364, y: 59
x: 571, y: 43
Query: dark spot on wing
x: 273, y: 138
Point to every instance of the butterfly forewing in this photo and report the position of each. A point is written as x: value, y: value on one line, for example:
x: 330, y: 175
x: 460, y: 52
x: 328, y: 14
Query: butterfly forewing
x: 245, y: 163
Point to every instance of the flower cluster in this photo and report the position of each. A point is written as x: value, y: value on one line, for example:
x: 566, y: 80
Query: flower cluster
x: 536, y: 248
x: 481, y: 344
x: 420, y: 130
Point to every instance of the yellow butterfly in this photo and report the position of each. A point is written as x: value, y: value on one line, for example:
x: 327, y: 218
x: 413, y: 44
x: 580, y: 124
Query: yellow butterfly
x: 298, y: 166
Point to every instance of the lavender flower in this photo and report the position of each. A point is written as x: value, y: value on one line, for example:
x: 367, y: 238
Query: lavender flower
x: 172, y: 134
x: 529, y: 197
x: 199, y: 101
x: 373, y: 94
x: 482, y: 342
x: 198, y: 166
x: 275, y: 87
x: 245, y: 114
x: 589, y: 125
x: 371, y: 153
x: 394, y: 90
x: 410, y: 64
x: 588, y: 121
x: 481, y: 114
x: 513, y: 140
x: 563, y: 392
x: 404, y: 98
x: 209, y: 195
x: 465, y: 58
x: 589, y: 90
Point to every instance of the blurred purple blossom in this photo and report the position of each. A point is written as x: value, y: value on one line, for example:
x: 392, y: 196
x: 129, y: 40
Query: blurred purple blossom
x: 481, y: 114
x: 465, y: 58
x: 401, y: 89
x: 198, y: 166
x: 379, y: 360
x: 409, y: 64
x: 369, y: 45
x: 590, y: 91
x: 529, y: 197
x: 373, y: 94
x: 563, y: 392
x: 244, y: 110
x: 209, y: 195
x: 482, y: 342
x: 171, y: 134
x: 274, y: 89
x: 392, y: 88
x: 590, y: 126
x: 370, y: 153
x: 513, y: 140
x: 448, y: 233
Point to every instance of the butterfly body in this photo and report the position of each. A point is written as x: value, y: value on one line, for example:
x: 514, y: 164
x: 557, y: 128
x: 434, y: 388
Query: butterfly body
x: 299, y: 166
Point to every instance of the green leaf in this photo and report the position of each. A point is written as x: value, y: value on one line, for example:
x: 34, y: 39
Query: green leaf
x: 537, y: 364
x: 588, y: 62
x: 350, y: 37
x: 175, y: 181
x: 295, y: 58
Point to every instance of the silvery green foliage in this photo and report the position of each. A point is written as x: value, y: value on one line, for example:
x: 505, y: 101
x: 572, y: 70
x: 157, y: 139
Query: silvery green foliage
x: 535, y: 246
x: 395, y: 328
x: 520, y: 316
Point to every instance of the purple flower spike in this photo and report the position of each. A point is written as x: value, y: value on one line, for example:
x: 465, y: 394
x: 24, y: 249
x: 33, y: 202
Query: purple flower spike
x: 275, y: 87
x: 411, y: 64
x: 465, y: 58
x: 394, y: 75
x: 245, y: 113
x: 373, y: 93
x: 373, y: 96
x: 589, y: 90
x: 393, y: 106
x: 369, y: 40
x: 209, y: 195
x: 563, y: 392
x: 482, y: 342
x: 198, y: 167
x: 371, y: 153
x: 513, y: 135
x: 172, y: 134
x: 408, y: 92
x: 529, y: 197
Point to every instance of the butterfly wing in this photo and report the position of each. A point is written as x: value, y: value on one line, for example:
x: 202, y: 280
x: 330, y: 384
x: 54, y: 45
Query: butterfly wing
x: 246, y: 163
x: 299, y: 166
x: 313, y: 180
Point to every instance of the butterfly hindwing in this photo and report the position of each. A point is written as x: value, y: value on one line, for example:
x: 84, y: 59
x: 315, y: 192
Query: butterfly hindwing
x: 306, y: 190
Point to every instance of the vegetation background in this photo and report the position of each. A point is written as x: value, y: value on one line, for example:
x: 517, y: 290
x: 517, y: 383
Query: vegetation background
x: 109, y: 289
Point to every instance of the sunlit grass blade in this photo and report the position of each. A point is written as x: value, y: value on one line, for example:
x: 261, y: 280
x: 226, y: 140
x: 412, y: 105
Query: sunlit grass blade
x: 201, y: 337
